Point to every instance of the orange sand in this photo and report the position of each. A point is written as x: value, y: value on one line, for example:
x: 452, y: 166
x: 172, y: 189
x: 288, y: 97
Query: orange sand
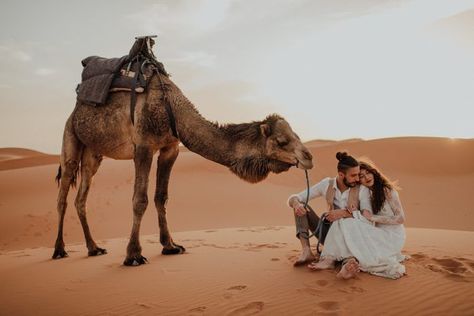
x: 227, y: 269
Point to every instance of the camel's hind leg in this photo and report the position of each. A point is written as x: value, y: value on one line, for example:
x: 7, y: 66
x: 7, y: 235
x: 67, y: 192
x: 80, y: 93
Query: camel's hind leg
x: 166, y: 160
x: 90, y: 162
x: 143, y: 158
x: 70, y: 157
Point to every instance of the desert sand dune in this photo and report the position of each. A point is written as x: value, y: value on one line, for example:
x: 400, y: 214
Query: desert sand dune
x: 15, y: 158
x: 239, y: 239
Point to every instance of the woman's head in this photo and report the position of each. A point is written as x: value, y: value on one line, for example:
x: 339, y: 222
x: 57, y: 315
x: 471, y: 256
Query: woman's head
x: 348, y: 169
x: 376, y: 181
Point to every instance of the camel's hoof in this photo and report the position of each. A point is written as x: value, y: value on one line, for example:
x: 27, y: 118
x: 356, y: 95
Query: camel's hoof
x: 97, y: 252
x: 173, y: 251
x: 59, y: 253
x: 135, y: 261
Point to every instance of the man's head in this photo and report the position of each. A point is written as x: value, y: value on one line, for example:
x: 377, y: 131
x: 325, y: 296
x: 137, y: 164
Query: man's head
x: 348, y: 169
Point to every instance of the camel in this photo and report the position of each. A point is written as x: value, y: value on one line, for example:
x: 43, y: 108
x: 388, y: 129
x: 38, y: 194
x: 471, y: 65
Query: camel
x: 250, y: 150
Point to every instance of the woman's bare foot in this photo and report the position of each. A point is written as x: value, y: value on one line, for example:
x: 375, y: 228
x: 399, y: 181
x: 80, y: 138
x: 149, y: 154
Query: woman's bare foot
x: 349, y: 269
x: 306, y: 256
x: 322, y: 264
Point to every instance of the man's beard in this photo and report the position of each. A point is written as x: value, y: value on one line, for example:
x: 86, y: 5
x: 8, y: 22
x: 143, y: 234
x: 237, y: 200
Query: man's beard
x: 347, y: 184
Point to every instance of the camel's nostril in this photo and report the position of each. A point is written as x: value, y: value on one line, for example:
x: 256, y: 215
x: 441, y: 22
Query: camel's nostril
x: 307, y: 155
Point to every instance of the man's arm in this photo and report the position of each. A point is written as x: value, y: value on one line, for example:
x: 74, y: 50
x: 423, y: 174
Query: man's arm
x: 296, y: 201
x: 334, y: 215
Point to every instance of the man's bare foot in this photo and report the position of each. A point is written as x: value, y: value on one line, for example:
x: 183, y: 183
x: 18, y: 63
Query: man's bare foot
x: 322, y: 265
x: 349, y: 269
x: 306, y: 256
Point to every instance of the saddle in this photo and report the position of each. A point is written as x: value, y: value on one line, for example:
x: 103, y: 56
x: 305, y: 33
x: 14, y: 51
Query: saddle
x: 131, y: 72
x: 102, y: 76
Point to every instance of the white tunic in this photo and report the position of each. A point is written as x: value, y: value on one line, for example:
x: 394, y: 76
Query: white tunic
x: 340, y: 198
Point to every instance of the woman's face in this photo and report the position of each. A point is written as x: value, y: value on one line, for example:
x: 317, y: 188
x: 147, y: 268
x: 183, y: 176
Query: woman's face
x: 366, y: 178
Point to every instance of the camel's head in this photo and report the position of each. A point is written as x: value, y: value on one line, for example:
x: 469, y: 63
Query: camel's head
x: 280, y: 150
x: 283, y: 147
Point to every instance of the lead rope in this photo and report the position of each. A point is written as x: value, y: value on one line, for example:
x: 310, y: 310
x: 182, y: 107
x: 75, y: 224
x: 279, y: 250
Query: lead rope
x: 306, y: 205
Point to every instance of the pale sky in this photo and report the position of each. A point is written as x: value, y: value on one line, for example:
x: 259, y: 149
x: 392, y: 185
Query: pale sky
x: 334, y: 69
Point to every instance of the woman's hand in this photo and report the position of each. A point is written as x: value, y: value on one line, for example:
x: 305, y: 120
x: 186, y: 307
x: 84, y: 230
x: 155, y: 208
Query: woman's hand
x: 367, y: 214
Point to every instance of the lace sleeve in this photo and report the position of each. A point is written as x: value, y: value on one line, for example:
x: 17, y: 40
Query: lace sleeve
x: 398, y: 216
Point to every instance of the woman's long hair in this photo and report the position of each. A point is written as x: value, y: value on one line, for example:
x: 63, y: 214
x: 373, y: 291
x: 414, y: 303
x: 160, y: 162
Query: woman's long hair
x: 382, y: 185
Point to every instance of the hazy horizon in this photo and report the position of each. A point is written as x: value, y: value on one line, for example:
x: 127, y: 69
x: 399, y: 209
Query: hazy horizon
x: 335, y: 70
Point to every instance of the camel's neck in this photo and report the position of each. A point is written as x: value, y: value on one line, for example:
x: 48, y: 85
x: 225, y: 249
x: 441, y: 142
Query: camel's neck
x: 201, y: 136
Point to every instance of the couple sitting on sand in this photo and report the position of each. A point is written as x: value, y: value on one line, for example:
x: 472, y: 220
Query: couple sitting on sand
x: 366, y: 232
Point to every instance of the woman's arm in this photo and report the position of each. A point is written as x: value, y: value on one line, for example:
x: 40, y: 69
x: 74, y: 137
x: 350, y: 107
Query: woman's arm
x: 398, y: 216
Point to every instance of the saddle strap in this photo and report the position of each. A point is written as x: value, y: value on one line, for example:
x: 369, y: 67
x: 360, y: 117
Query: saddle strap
x: 133, y: 97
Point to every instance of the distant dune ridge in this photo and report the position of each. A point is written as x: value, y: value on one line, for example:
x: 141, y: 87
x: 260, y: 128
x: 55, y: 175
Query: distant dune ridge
x: 239, y: 237
x: 15, y: 158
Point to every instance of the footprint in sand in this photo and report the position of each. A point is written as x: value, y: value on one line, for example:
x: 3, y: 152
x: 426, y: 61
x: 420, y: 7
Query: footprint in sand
x: 145, y: 305
x: 310, y: 291
x: 313, y: 290
x: 275, y: 259
x: 237, y: 287
x: 260, y: 229
x: 197, y: 310
x: 330, y: 306
x: 419, y: 256
x: 258, y: 247
x: 217, y: 246
x: 23, y: 255
x: 456, y: 269
x: 451, y: 265
x: 249, y: 309
x: 352, y: 290
x: 231, y: 291
x: 150, y: 241
x: 322, y: 282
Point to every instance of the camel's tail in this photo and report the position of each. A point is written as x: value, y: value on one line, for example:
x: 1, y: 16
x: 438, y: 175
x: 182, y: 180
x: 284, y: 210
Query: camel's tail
x: 73, y: 180
x: 58, y: 176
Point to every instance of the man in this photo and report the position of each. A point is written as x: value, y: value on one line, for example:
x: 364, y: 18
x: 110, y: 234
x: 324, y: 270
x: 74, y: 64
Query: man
x: 343, y: 195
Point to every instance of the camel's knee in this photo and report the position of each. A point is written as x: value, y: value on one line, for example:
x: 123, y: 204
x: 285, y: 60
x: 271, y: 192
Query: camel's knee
x: 70, y: 167
x: 140, y: 204
x: 80, y: 205
x: 161, y: 199
x: 62, y: 205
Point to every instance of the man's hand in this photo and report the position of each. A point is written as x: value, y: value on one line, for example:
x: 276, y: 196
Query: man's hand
x: 299, y: 209
x: 334, y: 215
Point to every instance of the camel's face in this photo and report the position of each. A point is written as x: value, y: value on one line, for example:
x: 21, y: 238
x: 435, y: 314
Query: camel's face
x: 284, y: 148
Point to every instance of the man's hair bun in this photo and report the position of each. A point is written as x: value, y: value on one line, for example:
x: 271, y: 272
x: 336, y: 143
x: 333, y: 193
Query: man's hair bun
x: 341, y: 155
x: 346, y: 161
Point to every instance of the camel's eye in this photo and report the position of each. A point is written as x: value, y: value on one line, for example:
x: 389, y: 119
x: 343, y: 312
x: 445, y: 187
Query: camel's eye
x: 282, y: 142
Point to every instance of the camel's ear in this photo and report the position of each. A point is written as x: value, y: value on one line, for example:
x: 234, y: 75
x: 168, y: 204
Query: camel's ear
x: 265, y: 129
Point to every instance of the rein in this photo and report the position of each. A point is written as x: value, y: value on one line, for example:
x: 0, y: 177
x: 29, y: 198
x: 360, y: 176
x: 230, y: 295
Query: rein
x: 306, y: 205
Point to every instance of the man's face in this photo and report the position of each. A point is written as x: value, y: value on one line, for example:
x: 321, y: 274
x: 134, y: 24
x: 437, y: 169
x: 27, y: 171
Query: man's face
x: 351, y: 176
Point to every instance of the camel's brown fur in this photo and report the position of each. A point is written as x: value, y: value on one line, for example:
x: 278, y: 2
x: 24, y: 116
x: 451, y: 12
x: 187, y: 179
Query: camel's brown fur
x: 250, y: 150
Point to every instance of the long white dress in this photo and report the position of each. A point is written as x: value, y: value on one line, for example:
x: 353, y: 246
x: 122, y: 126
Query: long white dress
x: 376, y: 244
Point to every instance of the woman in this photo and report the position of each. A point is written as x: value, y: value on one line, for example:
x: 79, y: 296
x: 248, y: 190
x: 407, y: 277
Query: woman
x: 371, y: 242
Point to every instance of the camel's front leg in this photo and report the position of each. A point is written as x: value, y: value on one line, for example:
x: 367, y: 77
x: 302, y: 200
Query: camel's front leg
x: 165, y: 164
x: 143, y: 158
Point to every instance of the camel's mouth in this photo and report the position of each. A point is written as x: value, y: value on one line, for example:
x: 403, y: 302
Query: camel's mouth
x: 305, y: 165
x: 278, y: 166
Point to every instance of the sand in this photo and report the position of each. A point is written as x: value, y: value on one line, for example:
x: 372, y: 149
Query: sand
x: 239, y: 239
